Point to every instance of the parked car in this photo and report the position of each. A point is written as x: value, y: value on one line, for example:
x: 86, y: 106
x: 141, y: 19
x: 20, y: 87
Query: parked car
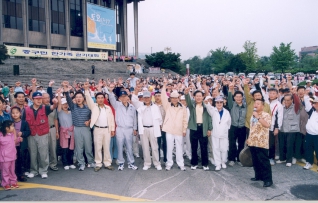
x: 251, y: 75
x: 230, y: 74
x: 241, y: 75
x: 221, y: 74
x: 277, y: 76
x: 260, y: 75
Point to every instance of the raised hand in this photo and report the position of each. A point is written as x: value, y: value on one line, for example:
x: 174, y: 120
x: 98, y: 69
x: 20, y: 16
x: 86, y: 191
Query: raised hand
x: 51, y: 83
x: 33, y: 81
x: 165, y: 81
x: 120, y: 80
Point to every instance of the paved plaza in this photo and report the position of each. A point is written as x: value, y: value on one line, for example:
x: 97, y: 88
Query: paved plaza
x: 233, y: 183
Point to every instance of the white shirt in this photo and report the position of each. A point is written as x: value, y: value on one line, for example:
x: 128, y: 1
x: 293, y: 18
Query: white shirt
x: 147, y: 117
x: 312, y: 127
x: 102, y: 118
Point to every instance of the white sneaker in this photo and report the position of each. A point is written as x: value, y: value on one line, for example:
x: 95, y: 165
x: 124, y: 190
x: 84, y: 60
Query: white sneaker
x: 72, y: 167
x: 145, y: 168
x: 168, y: 168
x: 132, y: 166
x: 206, y: 168
x: 223, y: 165
x: 231, y: 163
x: 288, y: 164
x: 272, y: 162
x: 31, y: 175
x: 239, y: 163
x: 194, y: 167
x: 218, y: 168
x: 121, y: 167
x: 308, y: 166
x: 137, y: 155
x: 66, y: 167
x: 44, y: 175
x: 159, y: 168
x: 182, y: 168
x: 26, y: 173
x: 280, y: 162
x: 276, y: 157
x: 303, y: 161
x: 294, y: 160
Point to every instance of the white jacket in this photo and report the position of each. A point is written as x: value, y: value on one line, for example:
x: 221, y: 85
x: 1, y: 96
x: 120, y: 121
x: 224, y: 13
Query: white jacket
x: 156, y: 116
x: 220, y: 127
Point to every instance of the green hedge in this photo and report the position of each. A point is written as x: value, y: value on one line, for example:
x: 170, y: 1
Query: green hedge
x: 303, y: 83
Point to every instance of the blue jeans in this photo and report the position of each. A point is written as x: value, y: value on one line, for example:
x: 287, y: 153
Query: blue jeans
x: 113, y: 148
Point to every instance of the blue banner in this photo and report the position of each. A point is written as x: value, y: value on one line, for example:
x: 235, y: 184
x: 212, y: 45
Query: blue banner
x: 101, y: 27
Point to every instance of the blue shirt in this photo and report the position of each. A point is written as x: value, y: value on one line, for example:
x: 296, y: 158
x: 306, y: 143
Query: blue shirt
x: 4, y: 117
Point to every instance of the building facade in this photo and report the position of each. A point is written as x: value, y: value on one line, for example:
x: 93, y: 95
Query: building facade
x: 60, y: 24
x: 311, y: 51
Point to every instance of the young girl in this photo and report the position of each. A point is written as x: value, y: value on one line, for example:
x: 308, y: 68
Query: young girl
x: 8, y: 155
x: 66, y: 132
x: 22, y: 130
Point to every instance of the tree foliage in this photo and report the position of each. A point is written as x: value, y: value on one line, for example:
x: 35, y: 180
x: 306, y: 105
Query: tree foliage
x: 169, y: 60
x: 249, y: 56
x: 283, y: 57
x: 3, y: 53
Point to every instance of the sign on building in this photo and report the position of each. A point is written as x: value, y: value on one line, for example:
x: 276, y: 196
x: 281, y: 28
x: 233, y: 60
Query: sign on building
x: 101, y: 27
x: 51, y: 53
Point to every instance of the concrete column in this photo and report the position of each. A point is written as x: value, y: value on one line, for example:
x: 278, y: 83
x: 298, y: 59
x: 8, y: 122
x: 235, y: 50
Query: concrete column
x: 98, y: 2
x: 1, y: 23
x: 25, y: 21
x: 136, y: 26
x: 125, y: 34
x: 112, y: 4
x: 67, y: 24
x: 84, y: 24
x: 48, y: 24
x: 121, y: 23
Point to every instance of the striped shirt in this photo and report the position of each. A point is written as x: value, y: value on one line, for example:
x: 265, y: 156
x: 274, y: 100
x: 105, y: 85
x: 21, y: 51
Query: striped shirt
x: 79, y: 115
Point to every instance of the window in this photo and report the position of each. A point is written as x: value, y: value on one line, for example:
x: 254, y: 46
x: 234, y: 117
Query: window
x: 36, y: 15
x: 57, y: 17
x: 76, y: 18
x: 12, y: 14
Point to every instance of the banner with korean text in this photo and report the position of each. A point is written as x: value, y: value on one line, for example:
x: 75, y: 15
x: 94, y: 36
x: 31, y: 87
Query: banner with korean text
x: 101, y: 27
x: 51, y: 53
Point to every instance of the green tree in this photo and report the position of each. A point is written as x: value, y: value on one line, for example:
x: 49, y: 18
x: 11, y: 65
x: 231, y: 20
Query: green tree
x: 237, y: 64
x: 169, y: 60
x: 307, y: 64
x: 264, y: 64
x: 3, y: 53
x: 219, y: 60
x: 195, y: 64
x: 249, y: 56
x: 283, y: 57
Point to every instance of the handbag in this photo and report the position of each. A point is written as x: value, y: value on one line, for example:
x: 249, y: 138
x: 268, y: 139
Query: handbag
x: 246, y: 157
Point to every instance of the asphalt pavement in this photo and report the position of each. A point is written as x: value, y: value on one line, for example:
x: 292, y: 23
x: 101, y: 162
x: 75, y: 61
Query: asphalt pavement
x: 232, y: 183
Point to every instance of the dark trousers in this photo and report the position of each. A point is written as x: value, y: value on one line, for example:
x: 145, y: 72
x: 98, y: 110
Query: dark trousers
x: 299, y: 147
x: 261, y: 165
x: 238, y: 134
x: 162, y: 140
x: 22, y: 163
x: 286, y: 146
x: 311, y: 142
x: 67, y: 157
x: 272, y: 138
x: 196, y: 136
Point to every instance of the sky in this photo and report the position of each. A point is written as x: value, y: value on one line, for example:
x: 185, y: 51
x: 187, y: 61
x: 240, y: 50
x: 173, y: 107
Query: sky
x: 193, y: 28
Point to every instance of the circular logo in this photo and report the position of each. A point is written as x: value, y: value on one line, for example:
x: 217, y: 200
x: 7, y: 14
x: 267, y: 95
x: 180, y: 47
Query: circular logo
x: 13, y: 50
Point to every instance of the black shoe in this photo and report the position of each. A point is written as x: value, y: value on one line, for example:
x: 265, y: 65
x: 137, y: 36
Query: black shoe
x: 22, y: 179
x: 96, y: 169
x: 255, y: 179
x: 268, y: 184
x: 54, y: 168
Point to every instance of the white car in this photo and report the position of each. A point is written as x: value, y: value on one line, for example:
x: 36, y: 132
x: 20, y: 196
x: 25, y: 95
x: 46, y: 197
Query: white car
x: 251, y: 75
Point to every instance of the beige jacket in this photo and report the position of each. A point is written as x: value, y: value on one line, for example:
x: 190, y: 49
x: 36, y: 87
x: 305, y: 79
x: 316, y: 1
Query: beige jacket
x: 95, y: 112
x: 176, y: 119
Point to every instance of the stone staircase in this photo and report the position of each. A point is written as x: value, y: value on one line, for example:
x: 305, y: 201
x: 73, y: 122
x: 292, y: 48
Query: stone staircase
x: 60, y: 70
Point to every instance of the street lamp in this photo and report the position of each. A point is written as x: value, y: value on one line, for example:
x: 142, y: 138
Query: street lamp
x: 151, y: 50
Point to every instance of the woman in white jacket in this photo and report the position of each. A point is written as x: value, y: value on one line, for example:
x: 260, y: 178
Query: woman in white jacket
x: 221, y: 122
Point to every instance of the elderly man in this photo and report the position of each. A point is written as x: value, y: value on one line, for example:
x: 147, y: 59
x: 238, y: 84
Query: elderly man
x: 126, y: 122
x: 258, y: 141
x: 102, y: 120
x: 37, y: 118
x: 200, y: 125
x: 149, y: 123
x: 175, y: 125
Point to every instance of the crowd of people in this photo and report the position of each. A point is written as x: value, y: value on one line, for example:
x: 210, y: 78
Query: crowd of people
x: 96, y: 123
